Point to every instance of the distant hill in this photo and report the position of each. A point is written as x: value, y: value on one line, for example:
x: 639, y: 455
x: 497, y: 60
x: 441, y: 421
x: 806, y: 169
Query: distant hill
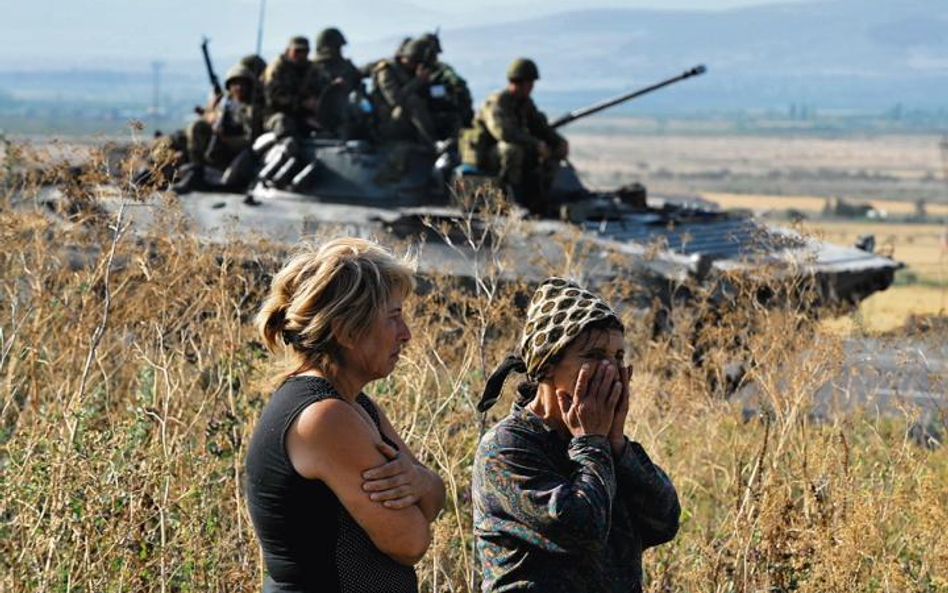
x: 831, y: 54
x: 842, y: 53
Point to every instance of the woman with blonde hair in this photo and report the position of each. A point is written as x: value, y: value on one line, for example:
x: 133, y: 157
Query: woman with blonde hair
x: 338, y: 501
x: 563, y: 501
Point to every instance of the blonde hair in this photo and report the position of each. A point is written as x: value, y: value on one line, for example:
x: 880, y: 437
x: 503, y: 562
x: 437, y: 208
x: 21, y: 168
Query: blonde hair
x: 347, y: 279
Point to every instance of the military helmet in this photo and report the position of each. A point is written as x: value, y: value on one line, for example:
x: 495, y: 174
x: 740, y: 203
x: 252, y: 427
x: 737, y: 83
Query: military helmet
x: 254, y: 63
x: 331, y: 37
x: 400, y: 52
x: 415, y: 50
x: 523, y: 69
x: 434, y: 41
x: 298, y: 42
x: 239, y: 71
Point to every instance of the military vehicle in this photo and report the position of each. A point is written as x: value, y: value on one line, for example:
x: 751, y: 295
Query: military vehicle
x: 347, y: 186
x: 667, y: 248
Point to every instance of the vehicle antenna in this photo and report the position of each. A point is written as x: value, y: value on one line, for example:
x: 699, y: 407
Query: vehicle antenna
x: 263, y: 12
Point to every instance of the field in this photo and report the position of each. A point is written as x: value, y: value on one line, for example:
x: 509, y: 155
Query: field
x: 773, y: 174
x: 681, y: 161
x: 131, y: 378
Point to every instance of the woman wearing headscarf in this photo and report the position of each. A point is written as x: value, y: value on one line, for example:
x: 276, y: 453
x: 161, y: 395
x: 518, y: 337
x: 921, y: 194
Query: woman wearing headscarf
x: 338, y: 501
x: 563, y: 500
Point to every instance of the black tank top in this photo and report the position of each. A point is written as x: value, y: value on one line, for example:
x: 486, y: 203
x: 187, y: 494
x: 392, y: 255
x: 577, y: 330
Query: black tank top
x: 310, y: 542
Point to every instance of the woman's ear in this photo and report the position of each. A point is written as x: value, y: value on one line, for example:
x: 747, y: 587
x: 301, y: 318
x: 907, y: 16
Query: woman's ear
x: 338, y: 335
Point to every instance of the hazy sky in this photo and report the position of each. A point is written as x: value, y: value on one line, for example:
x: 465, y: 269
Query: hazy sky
x: 663, y: 4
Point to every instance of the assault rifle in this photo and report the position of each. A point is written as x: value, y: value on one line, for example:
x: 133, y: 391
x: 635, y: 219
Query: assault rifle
x: 215, y: 82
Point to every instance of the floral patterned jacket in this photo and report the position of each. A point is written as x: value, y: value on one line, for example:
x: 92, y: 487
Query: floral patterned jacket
x: 553, y: 515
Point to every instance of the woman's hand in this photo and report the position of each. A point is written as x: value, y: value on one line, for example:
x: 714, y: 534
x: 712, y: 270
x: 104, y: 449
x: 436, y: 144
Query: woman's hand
x: 617, y: 431
x: 398, y: 483
x: 593, y: 405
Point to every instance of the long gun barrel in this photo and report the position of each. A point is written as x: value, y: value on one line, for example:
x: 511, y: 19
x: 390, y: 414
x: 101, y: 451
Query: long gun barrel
x: 574, y: 115
x: 218, y: 91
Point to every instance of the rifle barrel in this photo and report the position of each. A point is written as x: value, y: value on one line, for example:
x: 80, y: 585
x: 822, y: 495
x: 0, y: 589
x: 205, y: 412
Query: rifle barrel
x: 215, y: 82
x: 578, y: 113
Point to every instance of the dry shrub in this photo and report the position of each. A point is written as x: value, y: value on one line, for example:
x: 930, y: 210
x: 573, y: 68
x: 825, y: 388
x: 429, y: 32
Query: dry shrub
x: 131, y: 380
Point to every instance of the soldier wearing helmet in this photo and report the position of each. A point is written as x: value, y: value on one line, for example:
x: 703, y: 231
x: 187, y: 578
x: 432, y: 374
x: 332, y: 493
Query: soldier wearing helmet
x: 449, y: 98
x: 221, y: 135
x: 257, y: 66
x: 399, y: 94
x: 283, y: 84
x: 332, y: 79
x: 512, y: 139
x: 330, y: 62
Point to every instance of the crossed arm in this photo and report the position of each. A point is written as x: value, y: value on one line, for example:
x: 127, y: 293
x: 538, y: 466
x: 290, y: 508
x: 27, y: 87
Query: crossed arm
x: 330, y: 441
x: 403, y: 480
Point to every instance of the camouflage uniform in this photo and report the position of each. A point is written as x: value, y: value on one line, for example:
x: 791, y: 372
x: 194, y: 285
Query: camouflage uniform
x: 561, y: 516
x: 399, y: 97
x: 257, y: 66
x: 449, y: 97
x: 452, y: 107
x: 328, y: 67
x: 233, y: 123
x: 283, y: 87
x: 504, y: 141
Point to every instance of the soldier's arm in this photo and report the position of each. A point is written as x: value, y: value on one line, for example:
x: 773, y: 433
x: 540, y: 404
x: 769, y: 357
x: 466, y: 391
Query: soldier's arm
x: 391, y: 88
x: 540, y: 126
x: 503, y: 125
x: 460, y: 91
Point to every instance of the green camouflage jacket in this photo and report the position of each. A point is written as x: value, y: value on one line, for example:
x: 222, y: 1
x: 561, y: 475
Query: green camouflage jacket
x: 515, y: 120
x: 394, y: 84
x: 456, y: 96
x: 562, y: 516
x: 329, y: 68
x: 283, y: 86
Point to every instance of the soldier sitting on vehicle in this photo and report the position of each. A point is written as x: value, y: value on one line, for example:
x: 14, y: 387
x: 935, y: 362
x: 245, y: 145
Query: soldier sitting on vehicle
x: 512, y: 139
x: 337, y: 78
x: 221, y: 135
x: 283, y: 82
x: 399, y: 94
x: 257, y: 66
x: 449, y: 98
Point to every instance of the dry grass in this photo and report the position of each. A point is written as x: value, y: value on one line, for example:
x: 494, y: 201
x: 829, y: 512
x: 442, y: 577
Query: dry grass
x: 130, y: 383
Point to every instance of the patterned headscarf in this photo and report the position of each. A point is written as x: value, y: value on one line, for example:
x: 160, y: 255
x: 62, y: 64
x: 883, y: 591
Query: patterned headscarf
x: 559, y: 311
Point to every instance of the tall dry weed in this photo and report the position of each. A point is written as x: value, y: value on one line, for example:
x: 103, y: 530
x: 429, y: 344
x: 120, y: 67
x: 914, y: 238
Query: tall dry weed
x: 130, y: 380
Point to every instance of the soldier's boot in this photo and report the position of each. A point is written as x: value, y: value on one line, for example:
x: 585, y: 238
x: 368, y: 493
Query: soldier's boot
x: 191, y: 179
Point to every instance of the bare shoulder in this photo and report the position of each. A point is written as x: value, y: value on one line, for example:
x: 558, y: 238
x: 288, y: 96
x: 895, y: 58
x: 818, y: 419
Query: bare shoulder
x: 325, y: 434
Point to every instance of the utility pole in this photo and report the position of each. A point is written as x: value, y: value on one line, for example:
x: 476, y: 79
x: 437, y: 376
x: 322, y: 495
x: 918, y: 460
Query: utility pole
x: 944, y: 154
x: 263, y: 13
x: 156, y: 68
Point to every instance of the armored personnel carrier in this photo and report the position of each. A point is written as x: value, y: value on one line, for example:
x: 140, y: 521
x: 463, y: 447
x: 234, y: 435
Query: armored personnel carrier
x: 347, y: 186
